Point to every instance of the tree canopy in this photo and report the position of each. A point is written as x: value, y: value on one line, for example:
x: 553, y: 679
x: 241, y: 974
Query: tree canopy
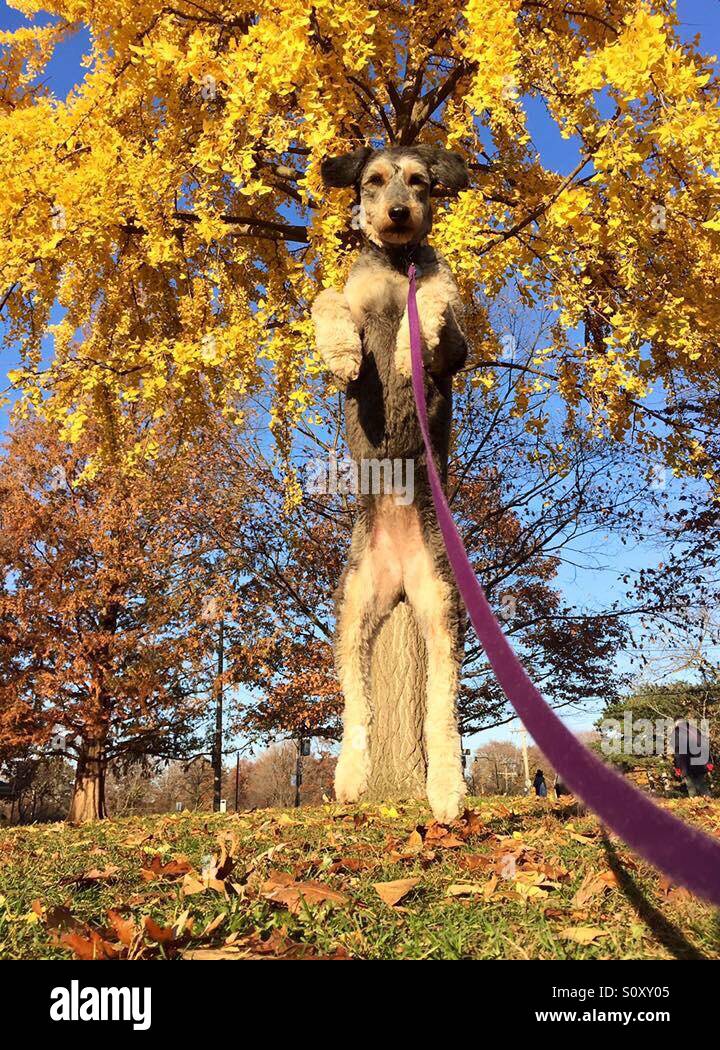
x: 172, y: 205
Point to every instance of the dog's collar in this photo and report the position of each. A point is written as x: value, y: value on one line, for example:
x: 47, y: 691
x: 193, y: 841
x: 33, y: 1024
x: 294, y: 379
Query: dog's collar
x: 400, y: 257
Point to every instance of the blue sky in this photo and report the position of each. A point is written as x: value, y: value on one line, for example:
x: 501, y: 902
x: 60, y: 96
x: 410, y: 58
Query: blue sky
x: 582, y: 588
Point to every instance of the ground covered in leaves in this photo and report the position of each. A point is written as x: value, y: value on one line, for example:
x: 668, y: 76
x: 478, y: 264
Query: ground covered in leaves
x: 514, y: 879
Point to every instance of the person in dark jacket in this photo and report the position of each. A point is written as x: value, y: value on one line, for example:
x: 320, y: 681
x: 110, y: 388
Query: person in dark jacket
x: 540, y: 785
x: 691, y: 755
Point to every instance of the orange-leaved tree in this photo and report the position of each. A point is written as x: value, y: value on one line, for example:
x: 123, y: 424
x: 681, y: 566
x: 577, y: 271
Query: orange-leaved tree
x: 102, y: 641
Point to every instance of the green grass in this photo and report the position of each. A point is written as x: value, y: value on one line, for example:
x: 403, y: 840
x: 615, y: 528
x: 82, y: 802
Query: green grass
x: 526, y: 860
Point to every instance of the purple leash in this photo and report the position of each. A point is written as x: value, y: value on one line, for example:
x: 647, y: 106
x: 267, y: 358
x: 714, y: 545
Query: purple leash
x: 688, y: 856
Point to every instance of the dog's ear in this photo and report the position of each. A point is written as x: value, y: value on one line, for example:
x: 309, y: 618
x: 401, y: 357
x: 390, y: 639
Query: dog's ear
x: 345, y: 170
x: 445, y: 166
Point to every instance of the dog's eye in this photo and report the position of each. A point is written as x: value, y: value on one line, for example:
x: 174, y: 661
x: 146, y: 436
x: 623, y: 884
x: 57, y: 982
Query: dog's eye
x: 417, y: 180
x: 374, y: 180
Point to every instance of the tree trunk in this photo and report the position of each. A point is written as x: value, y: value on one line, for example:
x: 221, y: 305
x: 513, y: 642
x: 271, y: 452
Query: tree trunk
x: 88, y: 800
x: 398, y: 762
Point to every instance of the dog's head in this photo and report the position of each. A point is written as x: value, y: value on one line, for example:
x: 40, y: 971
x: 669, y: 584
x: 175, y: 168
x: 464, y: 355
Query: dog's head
x: 394, y: 187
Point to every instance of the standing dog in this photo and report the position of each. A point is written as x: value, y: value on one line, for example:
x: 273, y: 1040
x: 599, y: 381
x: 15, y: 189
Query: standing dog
x: 396, y: 551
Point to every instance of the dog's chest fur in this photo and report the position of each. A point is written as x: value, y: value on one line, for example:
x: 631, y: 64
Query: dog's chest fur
x: 380, y: 412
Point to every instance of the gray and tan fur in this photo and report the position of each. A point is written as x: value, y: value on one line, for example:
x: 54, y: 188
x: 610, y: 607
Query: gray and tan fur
x: 396, y: 551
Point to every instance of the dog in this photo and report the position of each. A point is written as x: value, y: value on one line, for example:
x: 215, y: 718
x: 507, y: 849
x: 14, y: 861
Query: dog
x: 396, y: 551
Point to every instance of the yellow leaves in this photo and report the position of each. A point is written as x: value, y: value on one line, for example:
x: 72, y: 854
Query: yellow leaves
x: 627, y: 62
x: 491, y: 43
x: 389, y: 812
x: 569, y: 208
x: 169, y: 135
x: 74, y: 425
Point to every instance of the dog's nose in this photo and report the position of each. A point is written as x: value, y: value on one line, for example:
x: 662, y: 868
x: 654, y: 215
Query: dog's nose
x: 399, y: 213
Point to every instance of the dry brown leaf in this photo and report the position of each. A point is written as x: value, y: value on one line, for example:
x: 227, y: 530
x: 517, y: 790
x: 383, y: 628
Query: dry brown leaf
x: 214, y: 924
x: 281, y: 888
x: 156, y: 869
x: 91, y: 877
x: 414, y: 843
x: 61, y: 919
x: 277, y: 946
x: 160, y: 934
x: 124, y: 928
x: 582, y: 934
x: 476, y: 862
x: 473, y: 889
x: 193, y: 883
x: 591, y: 886
x: 582, y: 838
x: 393, y: 892
x: 472, y: 824
x: 351, y: 865
x: 230, y: 952
x: 442, y: 837
x: 92, y: 946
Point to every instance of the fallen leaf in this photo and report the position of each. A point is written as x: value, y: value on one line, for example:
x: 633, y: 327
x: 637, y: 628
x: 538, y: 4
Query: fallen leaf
x: 591, y: 886
x: 156, y: 869
x: 473, y: 824
x: 92, y: 946
x: 91, y: 877
x: 476, y: 862
x: 214, y: 924
x: 556, y: 913
x: 393, y: 892
x: 282, y: 888
x: 582, y: 934
x: 277, y: 946
x: 230, y: 952
x: 414, y: 843
x: 60, y: 919
x: 389, y: 812
x: 473, y: 889
x: 124, y: 928
x: 160, y: 934
x: 441, y: 836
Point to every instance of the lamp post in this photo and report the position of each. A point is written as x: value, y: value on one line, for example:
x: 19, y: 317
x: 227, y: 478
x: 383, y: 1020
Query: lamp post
x: 217, y: 742
x: 303, y: 750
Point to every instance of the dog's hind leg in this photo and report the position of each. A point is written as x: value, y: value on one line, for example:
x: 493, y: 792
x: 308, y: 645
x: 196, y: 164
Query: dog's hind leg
x: 435, y: 605
x: 370, y: 589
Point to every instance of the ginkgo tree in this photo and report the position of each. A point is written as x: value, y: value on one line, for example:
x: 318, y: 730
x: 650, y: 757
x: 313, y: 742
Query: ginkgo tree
x: 172, y: 204
x: 166, y: 223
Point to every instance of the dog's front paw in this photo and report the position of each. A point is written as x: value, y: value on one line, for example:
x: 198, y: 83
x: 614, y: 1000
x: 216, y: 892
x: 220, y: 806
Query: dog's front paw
x: 353, y: 769
x: 346, y: 368
x: 446, y: 790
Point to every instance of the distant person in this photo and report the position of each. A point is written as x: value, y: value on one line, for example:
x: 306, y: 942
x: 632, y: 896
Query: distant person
x: 691, y: 756
x: 540, y: 785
